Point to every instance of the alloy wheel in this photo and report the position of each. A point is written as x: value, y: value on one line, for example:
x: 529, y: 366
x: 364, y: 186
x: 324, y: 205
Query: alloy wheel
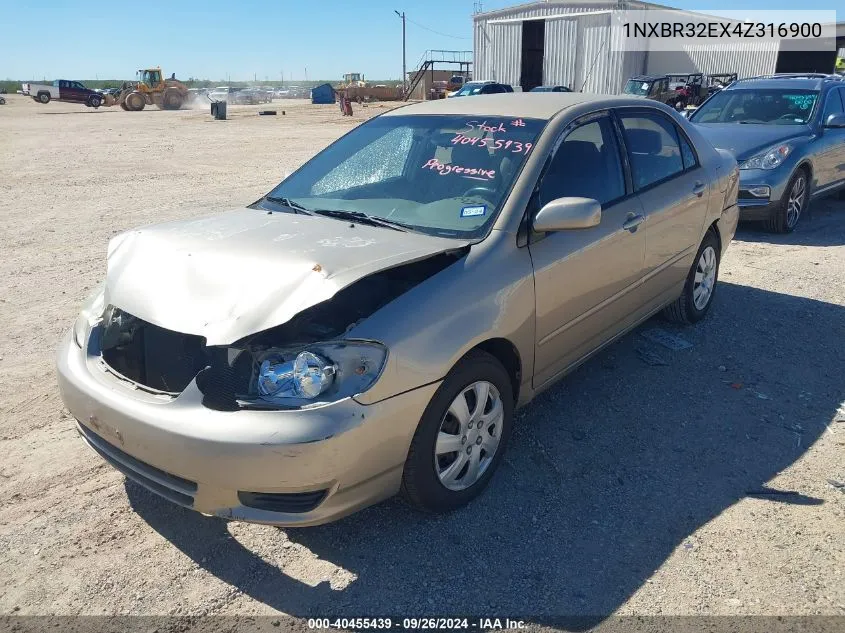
x: 469, y: 436
x: 705, y: 278
x: 795, y: 203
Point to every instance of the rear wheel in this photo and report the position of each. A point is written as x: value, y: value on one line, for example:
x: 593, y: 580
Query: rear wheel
x: 171, y: 99
x: 44, y: 97
x: 461, y: 437
x: 793, y: 203
x: 700, y: 286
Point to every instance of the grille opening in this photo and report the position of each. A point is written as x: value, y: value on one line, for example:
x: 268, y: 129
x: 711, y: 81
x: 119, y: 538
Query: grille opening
x: 151, y: 355
x: 292, y: 502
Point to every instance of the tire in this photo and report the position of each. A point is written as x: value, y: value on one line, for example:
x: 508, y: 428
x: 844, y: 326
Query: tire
x: 135, y: 102
x: 784, y: 218
x: 123, y: 106
x: 422, y: 485
x: 688, y: 308
x: 171, y: 99
x: 44, y: 97
x: 94, y: 101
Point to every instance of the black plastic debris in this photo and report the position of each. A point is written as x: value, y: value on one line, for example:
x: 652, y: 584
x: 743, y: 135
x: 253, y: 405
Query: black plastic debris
x: 218, y: 110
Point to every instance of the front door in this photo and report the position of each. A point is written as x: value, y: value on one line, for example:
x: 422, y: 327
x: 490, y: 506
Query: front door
x: 79, y: 92
x: 585, y: 280
x: 830, y: 164
x: 673, y: 190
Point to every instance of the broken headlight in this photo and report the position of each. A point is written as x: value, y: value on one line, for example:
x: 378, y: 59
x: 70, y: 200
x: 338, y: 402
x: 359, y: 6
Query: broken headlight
x: 322, y: 373
x: 92, y: 311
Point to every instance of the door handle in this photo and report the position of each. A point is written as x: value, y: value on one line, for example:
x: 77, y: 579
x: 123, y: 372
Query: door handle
x: 633, y: 222
x: 698, y: 188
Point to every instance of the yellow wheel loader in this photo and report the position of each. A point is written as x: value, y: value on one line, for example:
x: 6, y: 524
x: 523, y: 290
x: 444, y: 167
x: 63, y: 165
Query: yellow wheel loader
x: 152, y: 89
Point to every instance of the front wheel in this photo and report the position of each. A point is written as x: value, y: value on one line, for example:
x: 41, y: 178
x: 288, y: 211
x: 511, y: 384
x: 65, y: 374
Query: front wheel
x: 461, y: 437
x: 94, y: 101
x: 793, y: 203
x: 700, y: 285
x: 135, y: 102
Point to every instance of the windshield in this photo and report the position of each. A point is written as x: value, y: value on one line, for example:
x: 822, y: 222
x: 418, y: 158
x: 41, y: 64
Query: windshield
x: 634, y: 87
x: 469, y: 89
x: 440, y: 175
x: 769, y: 106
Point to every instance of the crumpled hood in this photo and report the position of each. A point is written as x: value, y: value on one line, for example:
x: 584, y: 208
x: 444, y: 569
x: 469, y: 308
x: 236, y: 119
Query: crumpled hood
x: 744, y: 141
x: 230, y: 275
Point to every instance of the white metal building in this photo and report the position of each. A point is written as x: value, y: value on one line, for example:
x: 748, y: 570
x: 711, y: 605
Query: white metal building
x: 568, y: 42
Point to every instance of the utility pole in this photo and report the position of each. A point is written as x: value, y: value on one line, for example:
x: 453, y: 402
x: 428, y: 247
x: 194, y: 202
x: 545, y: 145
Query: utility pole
x: 404, y: 70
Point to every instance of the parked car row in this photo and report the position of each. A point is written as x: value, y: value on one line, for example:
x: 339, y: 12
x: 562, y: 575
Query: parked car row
x: 293, y: 92
x: 482, y: 87
x: 247, y: 96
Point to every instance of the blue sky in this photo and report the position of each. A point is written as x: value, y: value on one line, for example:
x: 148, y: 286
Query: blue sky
x: 217, y: 39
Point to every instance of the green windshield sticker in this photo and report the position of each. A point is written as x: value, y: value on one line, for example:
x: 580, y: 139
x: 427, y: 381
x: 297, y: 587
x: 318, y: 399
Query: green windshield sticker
x: 803, y: 102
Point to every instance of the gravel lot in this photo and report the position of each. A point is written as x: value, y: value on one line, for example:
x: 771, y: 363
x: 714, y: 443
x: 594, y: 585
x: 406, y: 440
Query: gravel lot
x: 649, y: 482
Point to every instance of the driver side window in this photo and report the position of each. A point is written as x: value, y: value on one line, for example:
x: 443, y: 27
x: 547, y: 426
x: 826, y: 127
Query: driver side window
x: 586, y: 165
x: 833, y: 104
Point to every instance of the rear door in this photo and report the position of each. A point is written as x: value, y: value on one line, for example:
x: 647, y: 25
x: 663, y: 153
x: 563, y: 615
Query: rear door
x: 585, y: 280
x: 674, y: 191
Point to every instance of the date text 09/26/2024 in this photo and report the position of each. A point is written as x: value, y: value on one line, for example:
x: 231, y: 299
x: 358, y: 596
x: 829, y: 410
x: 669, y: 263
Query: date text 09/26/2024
x: 417, y: 624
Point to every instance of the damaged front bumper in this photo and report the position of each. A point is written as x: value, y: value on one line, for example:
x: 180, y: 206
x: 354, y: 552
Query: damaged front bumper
x: 294, y: 467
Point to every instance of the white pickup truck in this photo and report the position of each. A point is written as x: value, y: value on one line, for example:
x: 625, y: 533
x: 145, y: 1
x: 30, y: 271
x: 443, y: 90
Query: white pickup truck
x: 63, y: 90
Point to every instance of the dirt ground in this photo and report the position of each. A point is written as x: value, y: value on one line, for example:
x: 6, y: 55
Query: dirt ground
x: 706, y: 480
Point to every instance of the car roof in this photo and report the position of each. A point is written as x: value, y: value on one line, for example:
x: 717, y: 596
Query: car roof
x: 783, y: 83
x: 648, y: 77
x: 533, y: 105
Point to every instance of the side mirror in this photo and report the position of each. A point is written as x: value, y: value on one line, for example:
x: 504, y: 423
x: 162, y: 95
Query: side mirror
x: 835, y: 120
x: 564, y: 214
